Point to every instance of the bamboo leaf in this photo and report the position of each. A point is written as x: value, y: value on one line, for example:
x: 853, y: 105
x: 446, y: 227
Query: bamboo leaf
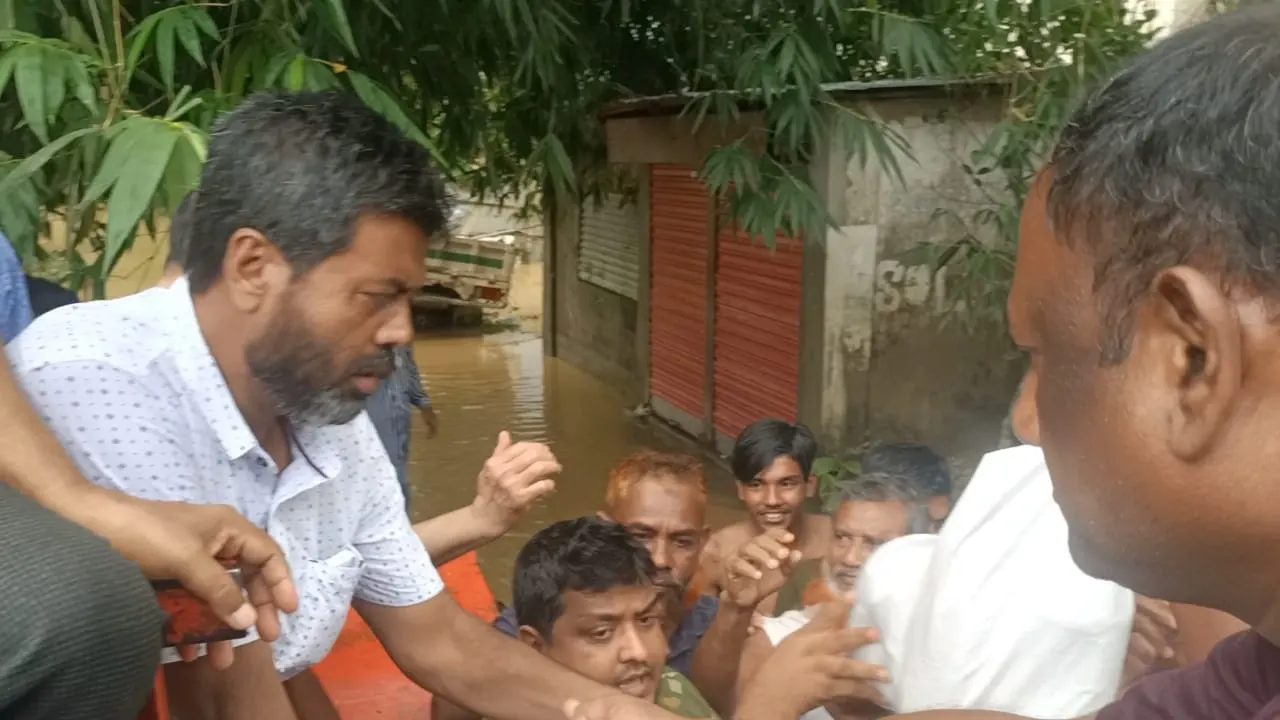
x: 379, y: 99
x: 164, y: 50
x: 134, y: 192
x: 122, y: 138
x: 28, y: 77
x: 342, y: 25
x: 37, y: 160
x: 189, y: 36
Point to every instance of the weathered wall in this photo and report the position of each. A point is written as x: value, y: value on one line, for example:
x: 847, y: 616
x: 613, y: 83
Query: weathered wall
x: 893, y: 369
x: 594, y: 328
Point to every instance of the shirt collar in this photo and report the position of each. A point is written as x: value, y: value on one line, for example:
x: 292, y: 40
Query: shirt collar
x: 203, y: 377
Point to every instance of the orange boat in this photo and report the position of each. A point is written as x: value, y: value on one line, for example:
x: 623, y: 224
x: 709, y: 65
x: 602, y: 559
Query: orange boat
x: 359, y: 676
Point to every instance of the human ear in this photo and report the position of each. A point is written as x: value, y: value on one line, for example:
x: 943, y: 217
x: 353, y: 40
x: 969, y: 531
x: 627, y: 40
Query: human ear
x: 530, y: 637
x: 1193, y: 331
x: 251, y: 267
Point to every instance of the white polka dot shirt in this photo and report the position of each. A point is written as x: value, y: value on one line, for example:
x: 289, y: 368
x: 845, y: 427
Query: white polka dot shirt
x: 131, y: 390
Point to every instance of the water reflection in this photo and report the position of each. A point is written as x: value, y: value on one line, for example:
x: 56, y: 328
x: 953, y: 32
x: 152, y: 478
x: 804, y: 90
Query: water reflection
x: 481, y: 384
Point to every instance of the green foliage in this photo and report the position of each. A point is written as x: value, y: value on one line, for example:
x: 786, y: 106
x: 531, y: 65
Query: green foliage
x: 829, y: 470
x: 105, y: 104
x: 1053, y: 53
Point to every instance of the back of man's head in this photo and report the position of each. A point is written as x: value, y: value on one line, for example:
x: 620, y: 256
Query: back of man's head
x: 587, y: 554
x: 1176, y: 161
x: 916, y: 463
x: 302, y: 168
x: 764, y: 441
x: 880, y: 487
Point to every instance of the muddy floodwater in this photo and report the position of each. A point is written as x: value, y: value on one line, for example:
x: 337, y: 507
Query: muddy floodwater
x: 481, y: 384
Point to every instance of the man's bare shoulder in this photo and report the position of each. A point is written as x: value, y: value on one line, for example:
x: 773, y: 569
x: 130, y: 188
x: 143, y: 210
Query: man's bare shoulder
x: 817, y: 535
x: 729, y: 538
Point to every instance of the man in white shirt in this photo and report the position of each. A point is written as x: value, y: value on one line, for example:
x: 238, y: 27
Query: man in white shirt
x: 243, y: 384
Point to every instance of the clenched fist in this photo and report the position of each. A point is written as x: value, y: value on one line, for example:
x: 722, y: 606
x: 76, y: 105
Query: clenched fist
x: 759, y: 568
x: 511, y: 481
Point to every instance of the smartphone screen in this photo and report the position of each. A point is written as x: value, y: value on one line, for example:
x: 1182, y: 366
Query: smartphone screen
x: 189, y: 621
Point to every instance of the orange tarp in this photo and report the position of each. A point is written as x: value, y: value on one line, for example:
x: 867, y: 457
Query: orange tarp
x: 360, y: 677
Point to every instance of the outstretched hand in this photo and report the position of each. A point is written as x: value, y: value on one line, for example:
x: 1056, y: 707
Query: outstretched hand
x: 759, y: 568
x: 515, y: 477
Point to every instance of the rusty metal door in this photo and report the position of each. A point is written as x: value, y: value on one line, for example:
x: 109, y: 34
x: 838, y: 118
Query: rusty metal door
x: 679, y: 228
x: 757, y: 330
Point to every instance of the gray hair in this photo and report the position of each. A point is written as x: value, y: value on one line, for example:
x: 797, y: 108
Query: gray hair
x: 883, y: 487
x: 1176, y: 160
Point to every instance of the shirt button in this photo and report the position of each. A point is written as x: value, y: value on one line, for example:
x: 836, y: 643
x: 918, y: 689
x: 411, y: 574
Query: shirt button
x: 262, y: 462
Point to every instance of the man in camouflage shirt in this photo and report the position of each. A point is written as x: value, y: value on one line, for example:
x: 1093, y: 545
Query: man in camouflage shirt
x: 586, y: 594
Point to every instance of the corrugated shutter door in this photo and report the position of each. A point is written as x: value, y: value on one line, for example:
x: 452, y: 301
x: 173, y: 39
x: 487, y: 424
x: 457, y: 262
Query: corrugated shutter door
x: 678, y: 226
x: 609, y: 246
x: 757, y: 363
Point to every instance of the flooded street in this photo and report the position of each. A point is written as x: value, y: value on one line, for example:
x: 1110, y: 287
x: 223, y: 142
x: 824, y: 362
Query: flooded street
x: 481, y: 384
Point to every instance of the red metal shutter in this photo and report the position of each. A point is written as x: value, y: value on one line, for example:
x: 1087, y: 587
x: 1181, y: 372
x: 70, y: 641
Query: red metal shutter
x: 757, y: 344
x: 678, y: 224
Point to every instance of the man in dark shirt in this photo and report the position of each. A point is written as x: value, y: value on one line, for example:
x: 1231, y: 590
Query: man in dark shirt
x: 1146, y: 296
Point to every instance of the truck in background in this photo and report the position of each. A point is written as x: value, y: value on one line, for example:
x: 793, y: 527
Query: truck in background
x: 468, y: 275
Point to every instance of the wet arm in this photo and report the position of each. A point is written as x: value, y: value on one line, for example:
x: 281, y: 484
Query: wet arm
x: 455, y: 533
x: 445, y: 650
x: 308, y: 697
x: 714, y: 670
x: 248, y: 690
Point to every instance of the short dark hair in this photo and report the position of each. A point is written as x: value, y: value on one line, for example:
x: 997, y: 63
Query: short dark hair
x: 301, y: 168
x: 882, y: 487
x: 587, y: 554
x: 917, y: 463
x: 764, y: 441
x: 1176, y: 159
x: 180, y: 231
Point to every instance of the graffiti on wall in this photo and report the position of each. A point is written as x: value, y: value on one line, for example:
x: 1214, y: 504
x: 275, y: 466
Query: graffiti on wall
x: 900, y: 286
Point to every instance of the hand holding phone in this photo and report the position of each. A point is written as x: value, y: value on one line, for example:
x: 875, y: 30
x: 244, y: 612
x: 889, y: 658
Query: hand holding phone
x: 189, y: 620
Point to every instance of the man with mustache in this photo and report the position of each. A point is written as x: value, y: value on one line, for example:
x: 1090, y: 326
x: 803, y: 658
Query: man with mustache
x: 587, y: 594
x: 661, y: 499
x: 244, y: 384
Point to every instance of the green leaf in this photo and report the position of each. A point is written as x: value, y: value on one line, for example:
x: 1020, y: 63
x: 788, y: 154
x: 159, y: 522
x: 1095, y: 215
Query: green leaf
x: 37, y: 160
x: 28, y: 77
x: 136, y: 42
x: 82, y: 85
x: 296, y: 74
x: 189, y: 35
x: 122, y: 136
x: 134, y: 192
x: 379, y: 99
x: 342, y: 26
x: 164, y: 50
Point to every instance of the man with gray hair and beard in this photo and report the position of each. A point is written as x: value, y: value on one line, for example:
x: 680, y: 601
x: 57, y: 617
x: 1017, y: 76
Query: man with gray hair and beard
x: 244, y: 384
x: 867, y: 511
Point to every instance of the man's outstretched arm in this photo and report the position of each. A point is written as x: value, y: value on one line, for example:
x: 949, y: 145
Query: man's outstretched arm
x: 445, y: 650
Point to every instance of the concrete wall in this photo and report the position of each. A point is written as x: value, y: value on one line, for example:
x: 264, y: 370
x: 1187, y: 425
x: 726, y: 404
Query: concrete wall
x: 892, y: 368
x: 593, y: 328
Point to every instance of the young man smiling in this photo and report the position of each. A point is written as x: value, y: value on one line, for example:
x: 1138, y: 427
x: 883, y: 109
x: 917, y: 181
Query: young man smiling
x: 771, y: 461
